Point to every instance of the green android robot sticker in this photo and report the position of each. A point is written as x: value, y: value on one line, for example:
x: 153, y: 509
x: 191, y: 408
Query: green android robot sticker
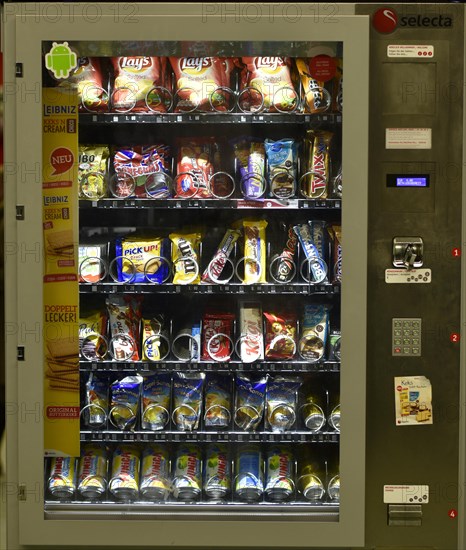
x: 61, y: 60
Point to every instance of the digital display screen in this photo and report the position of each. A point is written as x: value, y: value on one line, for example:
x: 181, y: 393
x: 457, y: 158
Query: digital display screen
x: 411, y: 182
x: 408, y: 180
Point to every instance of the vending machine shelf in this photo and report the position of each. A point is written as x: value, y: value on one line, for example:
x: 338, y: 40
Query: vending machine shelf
x: 209, y: 118
x: 118, y: 436
x: 225, y: 204
x: 230, y: 288
x: 232, y: 366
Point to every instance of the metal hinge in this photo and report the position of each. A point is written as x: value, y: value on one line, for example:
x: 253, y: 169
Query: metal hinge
x: 20, y: 212
x: 19, y: 70
x: 22, y: 491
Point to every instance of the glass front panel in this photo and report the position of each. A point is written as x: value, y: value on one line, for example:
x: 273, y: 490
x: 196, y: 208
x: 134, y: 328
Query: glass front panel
x: 209, y: 273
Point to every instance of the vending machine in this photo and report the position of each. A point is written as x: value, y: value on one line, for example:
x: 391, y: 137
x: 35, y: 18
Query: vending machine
x: 232, y: 281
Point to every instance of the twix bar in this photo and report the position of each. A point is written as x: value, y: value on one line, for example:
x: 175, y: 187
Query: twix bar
x: 317, y: 164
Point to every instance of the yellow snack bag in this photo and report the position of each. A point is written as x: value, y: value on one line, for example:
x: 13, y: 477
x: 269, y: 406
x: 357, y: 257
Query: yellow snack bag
x: 186, y: 258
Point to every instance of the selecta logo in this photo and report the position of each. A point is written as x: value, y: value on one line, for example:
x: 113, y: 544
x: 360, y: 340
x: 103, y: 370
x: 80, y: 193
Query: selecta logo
x: 135, y: 64
x: 386, y: 20
x: 195, y: 64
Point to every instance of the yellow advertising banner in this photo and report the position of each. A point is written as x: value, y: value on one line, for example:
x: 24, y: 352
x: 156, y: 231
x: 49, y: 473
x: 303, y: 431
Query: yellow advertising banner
x: 61, y: 290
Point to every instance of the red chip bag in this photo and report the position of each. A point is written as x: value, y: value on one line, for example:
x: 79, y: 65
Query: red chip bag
x: 195, y: 168
x: 139, y: 84
x: 271, y: 77
x: 199, y: 82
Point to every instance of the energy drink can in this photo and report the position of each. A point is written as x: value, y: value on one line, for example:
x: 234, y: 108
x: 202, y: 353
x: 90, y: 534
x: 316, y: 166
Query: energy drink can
x: 124, y: 483
x: 311, y: 479
x: 249, y: 480
x: 92, y: 472
x: 217, y: 473
x: 187, y: 473
x: 333, y: 488
x: 312, y: 409
x: 334, y: 418
x: 279, y: 484
x: 155, y: 476
x: 61, y: 483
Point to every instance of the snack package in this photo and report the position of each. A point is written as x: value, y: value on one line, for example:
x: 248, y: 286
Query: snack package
x: 217, y: 264
x: 200, y: 83
x: 318, y: 98
x: 317, y: 269
x: 124, y: 323
x: 217, y: 401
x: 187, y: 400
x: 283, y: 266
x: 93, y: 262
x: 186, y: 258
x: 92, y: 334
x: 337, y: 89
x: 280, y: 336
x: 314, y: 331
x: 255, y: 252
x: 87, y: 80
x: 250, y: 401
x: 155, y: 343
x: 314, y: 185
x: 335, y: 234
x: 139, y: 85
x: 156, y: 392
x: 282, y: 394
x: 140, y: 259
x: 195, y: 168
x: 282, y: 167
x: 319, y: 235
x: 93, y: 171
x: 251, y: 330
x: 96, y: 402
x: 125, y: 394
x: 271, y: 77
x: 217, y: 336
x: 250, y: 165
x: 142, y: 171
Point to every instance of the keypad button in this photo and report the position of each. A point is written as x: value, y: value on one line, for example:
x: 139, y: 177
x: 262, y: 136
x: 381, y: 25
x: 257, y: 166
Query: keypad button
x: 397, y: 342
x: 397, y: 324
x: 397, y: 333
x: 397, y: 350
x: 406, y: 342
x: 406, y: 324
x: 415, y: 351
x: 416, y: 324
x: 406, y: 351
x: 415, y: 341
x: 415, y: 333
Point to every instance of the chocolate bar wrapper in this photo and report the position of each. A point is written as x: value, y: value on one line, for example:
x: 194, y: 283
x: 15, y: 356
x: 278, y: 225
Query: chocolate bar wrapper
x: 282, y: 167
x: 255, y: 250
x: 224, y: 250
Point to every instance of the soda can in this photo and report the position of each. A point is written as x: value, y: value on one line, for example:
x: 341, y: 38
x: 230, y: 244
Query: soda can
x: 312, y: 411
x: 92, y: 472
x: 334, y: 418
x: 311, y: 480
x: 249, y: 480
x: 187, y: 473
x: 61, y: 483
x: 124, y: 482
x: 155, y: 473
x: 279, y: 484
x: 333, y: 488
x: 217, y: 472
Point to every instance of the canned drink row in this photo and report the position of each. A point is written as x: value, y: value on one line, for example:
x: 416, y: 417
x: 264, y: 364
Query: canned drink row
x: 166, y: 84
x: 192, y: 401
x: 123, y: 332
x: 211, y: 167
x: 306, y: 253
x: 191, y: 473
